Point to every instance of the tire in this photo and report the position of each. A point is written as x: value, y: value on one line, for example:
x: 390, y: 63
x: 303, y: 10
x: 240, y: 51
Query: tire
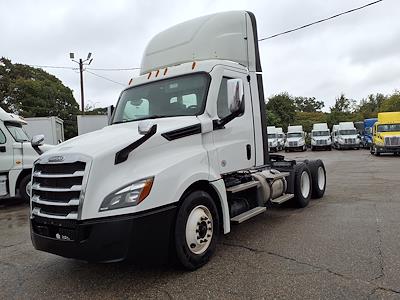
x: 330, y: 149
x: 312, y: 148
x: 25, y: 182
x: 302, y: 189
x: 197, y: 212
x: 318, y: 178
x: 376, y: 151
x: 371, y: 150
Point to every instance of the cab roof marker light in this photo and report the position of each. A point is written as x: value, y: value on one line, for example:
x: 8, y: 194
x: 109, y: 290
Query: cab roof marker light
x: 158, y: 71
x: 148, y: 76
x: 130, y: 81
x: 193, y: 65
x: 165, y: 71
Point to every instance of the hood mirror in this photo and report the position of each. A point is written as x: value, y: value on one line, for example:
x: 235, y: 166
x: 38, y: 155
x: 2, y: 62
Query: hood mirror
x: 37, y: 140
x: 145, y: 126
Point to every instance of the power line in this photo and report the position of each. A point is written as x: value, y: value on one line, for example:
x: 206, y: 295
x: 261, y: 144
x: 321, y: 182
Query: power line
x: 105, y: 78
x: 53, y: 67
x: 95, y: 69
x: 319, y: 21
x: 117, y: 69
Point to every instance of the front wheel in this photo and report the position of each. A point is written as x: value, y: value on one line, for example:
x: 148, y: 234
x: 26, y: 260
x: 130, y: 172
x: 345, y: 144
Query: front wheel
x: 196, y: 230
x: 25, y: 188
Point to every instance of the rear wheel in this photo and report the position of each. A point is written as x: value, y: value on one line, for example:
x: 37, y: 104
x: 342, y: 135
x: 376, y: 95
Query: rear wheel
x: 302, y: 185
x: 25, y: 188
x: 318, y: 178
x: 196, y: 230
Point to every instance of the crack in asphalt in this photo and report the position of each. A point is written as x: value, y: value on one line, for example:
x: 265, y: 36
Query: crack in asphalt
x: 319, y: 268
x: 380, y: 255
x: 11, y: 245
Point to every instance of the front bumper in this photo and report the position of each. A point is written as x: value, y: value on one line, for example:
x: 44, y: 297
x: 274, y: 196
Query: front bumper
x: 145, y: 235
x: 388, y: 149
x: 349, y: 146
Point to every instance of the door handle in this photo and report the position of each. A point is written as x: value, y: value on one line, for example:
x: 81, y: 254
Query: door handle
x: 2, y: 148
x: 248, y: 150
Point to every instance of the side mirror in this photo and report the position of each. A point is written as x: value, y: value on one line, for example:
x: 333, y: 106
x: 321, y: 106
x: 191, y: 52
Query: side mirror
x: 37, y: 140
x: 235, y: 94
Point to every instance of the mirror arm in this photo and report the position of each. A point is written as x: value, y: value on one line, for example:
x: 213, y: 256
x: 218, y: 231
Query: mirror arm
x: 219, y: 124
x: 37, y: 149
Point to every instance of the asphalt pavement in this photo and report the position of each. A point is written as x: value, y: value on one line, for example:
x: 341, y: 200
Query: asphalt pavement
x: 343, y: 246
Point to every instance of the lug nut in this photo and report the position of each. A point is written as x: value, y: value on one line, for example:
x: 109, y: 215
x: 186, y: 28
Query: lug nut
x: 192, y: 245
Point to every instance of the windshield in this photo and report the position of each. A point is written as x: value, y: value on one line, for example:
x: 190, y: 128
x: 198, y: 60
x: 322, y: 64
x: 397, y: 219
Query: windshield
x: 294, y: 134
x: 388, y: 127
x: 348, y: 132
x: 180, y: 96
x: 280, y: 135
x: 272, y: 135
x: 320, y: 133
x: 17, y: 132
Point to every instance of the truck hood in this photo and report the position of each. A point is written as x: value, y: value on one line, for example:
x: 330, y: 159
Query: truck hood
x: 113, y: 138
x: 352, y: 136
x: 392, y: 133
x: 318, y: 138
x: 294, y: 139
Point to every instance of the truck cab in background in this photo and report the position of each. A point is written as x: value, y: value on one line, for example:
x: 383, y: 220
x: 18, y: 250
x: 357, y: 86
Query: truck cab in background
x: 366, y: 137
x: 321, y: 137
x: 295, y: 139
x: 281, y: 138
x: 347, y: 136
x: 386, y: 134
x: 334, y: 135
x: 16, y: 157
x: 273, y: 142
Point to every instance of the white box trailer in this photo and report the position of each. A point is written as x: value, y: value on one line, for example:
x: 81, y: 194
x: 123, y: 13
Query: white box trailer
x: 89, y: 123
x: 51, y: 127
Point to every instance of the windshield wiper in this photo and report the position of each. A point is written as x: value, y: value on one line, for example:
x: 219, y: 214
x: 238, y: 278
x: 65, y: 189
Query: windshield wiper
x: 146, y: 118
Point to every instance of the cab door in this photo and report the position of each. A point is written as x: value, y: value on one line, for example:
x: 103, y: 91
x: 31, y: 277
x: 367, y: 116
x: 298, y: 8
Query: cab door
x: 234, y: 142
x: 6, y: 150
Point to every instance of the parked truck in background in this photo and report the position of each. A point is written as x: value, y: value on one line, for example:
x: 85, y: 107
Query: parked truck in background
x: 321, y: 137
x: 89, y: 123
x: 386, y: 134
x: 295, y: 139
x: 185, y: 156
x: 347, y: 136
x: 273, y: 143
x: 51, y: 127
x: 16, y: 157
x: 366, y: 137
x: 334, y: 134
x: 281, y: 138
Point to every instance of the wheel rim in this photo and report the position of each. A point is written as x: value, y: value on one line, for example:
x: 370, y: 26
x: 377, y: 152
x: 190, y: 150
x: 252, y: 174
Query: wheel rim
x: 305, y: 184
x: 28, y: 189
x: 199, y: 229
x: 321, y: 178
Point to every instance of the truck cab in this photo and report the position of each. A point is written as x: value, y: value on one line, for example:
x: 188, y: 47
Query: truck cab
x: 273, y: 141
x: 295, y: 139
x: 347, y: 136
x: 16, y: 157
x: 185, y: 156
x: 281, y: 138
x: 366, y: 138
x: 386, y: 134
x: 321, y: 137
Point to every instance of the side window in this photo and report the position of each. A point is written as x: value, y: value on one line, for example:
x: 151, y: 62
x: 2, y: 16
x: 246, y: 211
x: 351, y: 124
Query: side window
x: 222, y: 101
x: 2, y: 137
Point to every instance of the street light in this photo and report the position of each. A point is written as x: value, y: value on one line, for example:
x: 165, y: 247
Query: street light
x: 81, y: 63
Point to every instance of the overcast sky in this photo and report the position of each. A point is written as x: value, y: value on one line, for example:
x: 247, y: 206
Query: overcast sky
x: 357, y: 54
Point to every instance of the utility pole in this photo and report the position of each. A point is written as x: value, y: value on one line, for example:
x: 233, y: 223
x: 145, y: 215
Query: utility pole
x: 81, y: 63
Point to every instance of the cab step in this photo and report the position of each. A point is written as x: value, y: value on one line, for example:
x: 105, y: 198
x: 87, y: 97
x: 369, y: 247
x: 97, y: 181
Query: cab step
x: 248, y: 214
x: 283, y: 198
x: 243, y: 186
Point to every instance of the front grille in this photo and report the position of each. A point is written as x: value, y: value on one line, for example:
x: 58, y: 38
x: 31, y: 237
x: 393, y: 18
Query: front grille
x: 292, y: 144
x: 56, y: 189
x: 392, y: 141
x: 322, y: 142
x: 270, y: 144
x: 350, y: 141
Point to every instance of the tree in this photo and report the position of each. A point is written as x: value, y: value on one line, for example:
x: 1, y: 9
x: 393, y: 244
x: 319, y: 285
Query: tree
x: 283, y: 108
x: 32, y: 92
x: 308, y: 104
x: 391, y: 103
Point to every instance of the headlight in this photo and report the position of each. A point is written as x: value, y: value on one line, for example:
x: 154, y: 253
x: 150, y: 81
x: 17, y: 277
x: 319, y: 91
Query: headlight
x: 129, y: 195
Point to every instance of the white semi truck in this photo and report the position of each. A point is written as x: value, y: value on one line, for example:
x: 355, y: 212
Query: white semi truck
x: 185, y: 156
x: 16, y: 156
x: 346, y: 136
x: 273, y: 143
x: 295, y: 139
x: 321, y: 137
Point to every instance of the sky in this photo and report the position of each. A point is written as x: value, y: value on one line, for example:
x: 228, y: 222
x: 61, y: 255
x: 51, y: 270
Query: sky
x: 357, y: 54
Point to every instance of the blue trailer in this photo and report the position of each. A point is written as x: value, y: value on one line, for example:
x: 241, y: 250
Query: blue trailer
x: 367, y: 133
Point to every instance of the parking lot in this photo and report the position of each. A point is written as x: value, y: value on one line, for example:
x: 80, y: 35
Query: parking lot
x: 345, y: 245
